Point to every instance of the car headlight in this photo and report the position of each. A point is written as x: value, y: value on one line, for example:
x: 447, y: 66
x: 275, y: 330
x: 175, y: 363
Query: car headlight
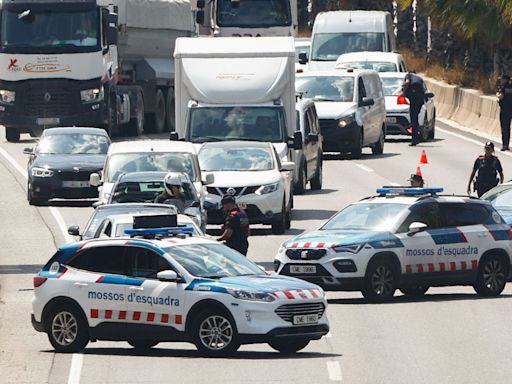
x: 7, y: 97
x: 345, y: 121
x: 92, y: 95
x: 352, y: 248
x: 41, y: 172
x: 269, y: 188
x: 243, y: 294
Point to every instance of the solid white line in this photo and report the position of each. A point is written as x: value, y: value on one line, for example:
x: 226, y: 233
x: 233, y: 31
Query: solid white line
x: 334, y: 369
x: 462, y: 137
x: 328, y: 335
x: 13, y: 162
x: 75, y: 371
x: 62, y: 224
x: 364, y: 167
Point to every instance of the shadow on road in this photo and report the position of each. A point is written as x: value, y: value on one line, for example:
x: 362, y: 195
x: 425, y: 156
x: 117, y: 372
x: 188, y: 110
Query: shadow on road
x: 69, y: 203
x: 319, y: 192
x: 366, y: 156
x: 441, y: 297
x: 312, y: 214
x: 258, y: 231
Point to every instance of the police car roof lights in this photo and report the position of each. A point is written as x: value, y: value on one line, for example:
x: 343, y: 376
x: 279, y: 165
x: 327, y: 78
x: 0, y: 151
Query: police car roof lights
x: 409, y: 191
x: 151, y: 233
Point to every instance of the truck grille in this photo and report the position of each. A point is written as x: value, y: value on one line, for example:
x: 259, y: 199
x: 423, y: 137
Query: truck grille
x: 75, y: 176
x: 287, y: 311
x: 44, y: 102
x: 310, y: 254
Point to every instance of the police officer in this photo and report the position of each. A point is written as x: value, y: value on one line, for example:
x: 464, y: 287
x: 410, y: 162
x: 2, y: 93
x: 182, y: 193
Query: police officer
x: 236, y: 226
x: 414, y: 89
x: 504, y: 94
x: 416, y: 181
x: 487, y: 166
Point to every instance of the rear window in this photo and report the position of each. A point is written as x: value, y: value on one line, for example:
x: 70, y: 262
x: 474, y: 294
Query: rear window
x: 108, y: 260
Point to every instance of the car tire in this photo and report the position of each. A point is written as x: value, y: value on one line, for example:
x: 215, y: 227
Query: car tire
x: 380, y: 281
x: 491, y: 276
x: 432, y: 133
x: 288, y: 219
x: 221, y: 327
x: 289, y: 346
x: 12, y: 135
x: 414, y: 291
x: 67, y: 329
x: 300, y: 187
x: 357, y: 151
x: 136, y: 125
x: 32, y: 199
x: 316, y: 182
x: 378, y: 147
x: 279, y: 223
x: 143, y: 344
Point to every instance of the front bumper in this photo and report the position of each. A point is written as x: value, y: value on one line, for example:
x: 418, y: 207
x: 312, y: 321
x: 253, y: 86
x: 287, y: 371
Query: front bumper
x: 55, y: 187
x: 312, y: 332
x: 337, y: 139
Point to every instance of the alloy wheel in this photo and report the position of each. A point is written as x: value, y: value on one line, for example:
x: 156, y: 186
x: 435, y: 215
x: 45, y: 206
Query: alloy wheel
x: 215, y: 332
x: 64, y: 328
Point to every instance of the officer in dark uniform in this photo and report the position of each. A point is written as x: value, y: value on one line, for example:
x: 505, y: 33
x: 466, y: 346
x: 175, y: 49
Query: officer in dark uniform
x: 236, y: 226
x: 488, y: 167
x: 414, y: 89
x: 504, y: 94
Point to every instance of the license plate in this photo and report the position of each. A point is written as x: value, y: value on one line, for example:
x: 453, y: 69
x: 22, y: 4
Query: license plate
x: 242, y: 205
x: 48, y: 120
x: 303, y: 269
x: 305, y: 319
x: 391, y: 120
x: 76, y: 184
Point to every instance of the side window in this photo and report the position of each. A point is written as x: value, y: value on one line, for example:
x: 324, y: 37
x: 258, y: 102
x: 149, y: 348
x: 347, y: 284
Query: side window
x: 146, y: 263
x: 315, y: 127
x: 461, y: 214
x: 361, y: 89
x: 109, y: 260
x: 307, y: 124
x: 108, y: 230
x: 426, y: 213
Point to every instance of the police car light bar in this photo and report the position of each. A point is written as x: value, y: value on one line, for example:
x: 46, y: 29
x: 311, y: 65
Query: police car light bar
x: 162, y: 232
x: 409, y: 191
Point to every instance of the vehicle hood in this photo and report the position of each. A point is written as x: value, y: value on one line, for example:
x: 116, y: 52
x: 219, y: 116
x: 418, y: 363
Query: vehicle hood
x: 244, y: 178
x: 64, y: 162
x: 314, y: 65
x: 262, y: 283
x: 330, y: 238
x: 334, y: 110
x: 392, y: 105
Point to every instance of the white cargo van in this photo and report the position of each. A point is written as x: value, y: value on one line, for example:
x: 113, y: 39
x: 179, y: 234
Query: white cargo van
x: 338, y: 32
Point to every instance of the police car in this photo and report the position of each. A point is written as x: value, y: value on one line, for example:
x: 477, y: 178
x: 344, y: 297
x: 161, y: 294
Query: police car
x: 406, y: 238
x: 155, y: 287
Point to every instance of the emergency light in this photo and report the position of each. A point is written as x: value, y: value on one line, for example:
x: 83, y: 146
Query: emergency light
x: 409, y: 191
x: 159, y: 232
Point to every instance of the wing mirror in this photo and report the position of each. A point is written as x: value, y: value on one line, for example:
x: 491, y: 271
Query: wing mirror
x: 169, y: 276
x: 208, y: 179
x: 295, y: 142
x: 416, y: 227
x: 366, y: 102
x: 28, y: 151
x: 303, y: 58
x: 429, y: 95
x: 74, y: 230
x: 288, y: 166
x: 95, y: 179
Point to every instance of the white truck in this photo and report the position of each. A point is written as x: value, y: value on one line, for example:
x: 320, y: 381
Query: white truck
x: 237, y: 88
x: 225, y: 18
x: 102, y: 63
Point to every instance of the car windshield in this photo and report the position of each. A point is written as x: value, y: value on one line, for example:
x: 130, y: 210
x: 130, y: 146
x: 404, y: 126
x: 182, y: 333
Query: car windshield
x: 213, y: 261
x: 33, y: 30
x: 146, y: 192
x: 149, y: 162
x: 329, y: 46
x: 236, y: 123
x: 253, y: 13
x: 500, y: 197
x: 392, y: 86
x: 378, y: 66
x: 120, y: 228
x: 73, y: 144
x: 236, y: 159
x: 369, y: 217
x: 326, y: 88
x: 101, y: 214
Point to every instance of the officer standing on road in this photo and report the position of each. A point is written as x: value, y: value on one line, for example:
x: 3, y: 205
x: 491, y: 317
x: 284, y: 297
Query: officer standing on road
x: 487, y: 166
x: 414, y: 89
x: 236, y: 226
x: 504, y: 95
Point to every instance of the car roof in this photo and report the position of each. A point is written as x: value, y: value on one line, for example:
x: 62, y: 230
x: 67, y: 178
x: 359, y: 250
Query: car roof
x: 392, y: 74
x: 134, y: 206
x: 236, y: 144
x: 122, y: 218
x: 410, y: 200
x: 341, y: 72
x: 369, y: 56
x: 70, y: 130
x: 143, y: 146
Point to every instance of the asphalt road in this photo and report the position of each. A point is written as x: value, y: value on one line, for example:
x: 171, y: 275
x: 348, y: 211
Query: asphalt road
x: 449, y: 336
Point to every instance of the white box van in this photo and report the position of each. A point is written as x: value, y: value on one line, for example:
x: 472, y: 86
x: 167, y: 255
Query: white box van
x: 338, y: 32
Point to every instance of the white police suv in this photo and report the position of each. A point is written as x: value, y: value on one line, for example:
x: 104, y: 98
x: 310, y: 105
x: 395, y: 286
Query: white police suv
x: 177, y: 288
x: 406, y: 238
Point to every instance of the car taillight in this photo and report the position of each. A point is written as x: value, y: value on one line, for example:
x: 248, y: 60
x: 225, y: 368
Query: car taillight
x: 402, y: 100
x: 38, y: 281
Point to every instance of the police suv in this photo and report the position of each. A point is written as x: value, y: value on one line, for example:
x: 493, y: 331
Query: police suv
x: 406, y: 238
x: 154, y: 287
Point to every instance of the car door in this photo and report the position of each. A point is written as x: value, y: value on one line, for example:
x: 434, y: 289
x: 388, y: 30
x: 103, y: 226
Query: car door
x: 372, y: 128
x: 308, y: 143
x: 364, y: 111
x: 99, y: 283
x: 153, y: 302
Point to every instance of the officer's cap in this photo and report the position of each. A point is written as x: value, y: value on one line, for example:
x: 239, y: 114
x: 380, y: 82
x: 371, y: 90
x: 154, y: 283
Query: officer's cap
x: 489, y: 145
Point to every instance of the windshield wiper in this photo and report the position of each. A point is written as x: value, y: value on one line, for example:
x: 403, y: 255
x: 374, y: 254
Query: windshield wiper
x: 204, y: 139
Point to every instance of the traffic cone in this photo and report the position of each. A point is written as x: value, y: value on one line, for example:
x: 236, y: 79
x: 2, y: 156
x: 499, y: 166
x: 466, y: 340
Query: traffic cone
x: 423, y: 158
x: 418, y: 171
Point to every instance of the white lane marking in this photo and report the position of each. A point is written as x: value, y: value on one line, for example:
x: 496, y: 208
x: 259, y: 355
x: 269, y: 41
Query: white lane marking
x: 462, y: 137
x: 13, y: 162
x: 334, y: 369
x: 364, y: 167
x: 328, y: 335
x: 75, y: 371
x: 62, y: 224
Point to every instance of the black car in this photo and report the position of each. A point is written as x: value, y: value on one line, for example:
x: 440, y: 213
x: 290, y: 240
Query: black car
x: 62, y: 161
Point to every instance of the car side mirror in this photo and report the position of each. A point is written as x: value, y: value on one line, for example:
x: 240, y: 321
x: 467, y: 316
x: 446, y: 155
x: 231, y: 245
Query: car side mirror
x: 429, y: 95
x: 287, y: 166
x: 200, y: 17
x: 95, y: 179
x: 174, y: 136
x: 303, y: 58
x: 295, y: 142
x: 313, y: 137
x: 366, y: 102
x: 74, y: 230
x: 208, y: 179
x: 416, y: 227
x: 169, y: 276
x: 28, y: 151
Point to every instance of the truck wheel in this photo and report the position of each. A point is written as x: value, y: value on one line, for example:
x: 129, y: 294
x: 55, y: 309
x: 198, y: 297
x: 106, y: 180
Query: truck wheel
x: 214, y: 333
x: 67, y: 329
x: 492, y: 276
x: 170, y: 110
x: 155, y: 122
x: 316, y: 182
x: 380, y: 281
x: 142, y: 344
x: 136, y: 125
x: 12, y: 135
x: 300, y: 185
x: 289, y: 346
x: 378, y: 147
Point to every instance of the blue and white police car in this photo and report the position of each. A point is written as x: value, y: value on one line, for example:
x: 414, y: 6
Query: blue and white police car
x: 153, y: 287
x: 406, y: 238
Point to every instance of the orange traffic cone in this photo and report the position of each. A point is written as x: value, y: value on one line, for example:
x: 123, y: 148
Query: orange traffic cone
x: 418, y: 171
x: 423, y: 158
